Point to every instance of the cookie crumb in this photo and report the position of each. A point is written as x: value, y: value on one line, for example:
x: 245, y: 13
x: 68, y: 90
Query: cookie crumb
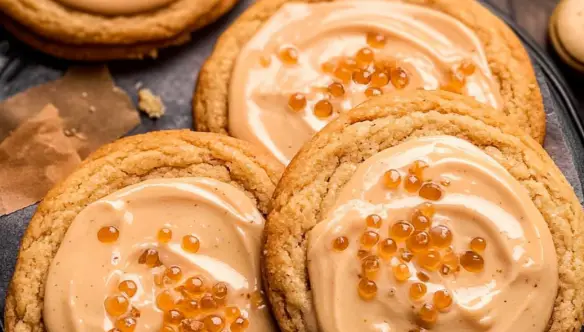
x: 84, y: 94
x: 92, y: 109
x: 150, y: 104
x: 138, y: 85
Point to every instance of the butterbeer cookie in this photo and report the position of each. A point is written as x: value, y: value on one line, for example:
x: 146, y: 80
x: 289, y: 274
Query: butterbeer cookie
x: 566, y: 31
x: 107, y: 29
x: 285, y: 69
x: 157, y: 232
x: 421, y: 212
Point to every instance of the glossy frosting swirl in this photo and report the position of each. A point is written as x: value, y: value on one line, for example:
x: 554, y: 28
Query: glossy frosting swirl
x: 514, y: 291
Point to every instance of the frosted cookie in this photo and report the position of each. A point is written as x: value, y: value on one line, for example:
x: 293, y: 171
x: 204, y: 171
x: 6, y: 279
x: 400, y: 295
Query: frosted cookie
x: 157, y: 232
x: 566, y: 31
x: 421, y: 212
x: 284, y: 69
x: 107, y: 29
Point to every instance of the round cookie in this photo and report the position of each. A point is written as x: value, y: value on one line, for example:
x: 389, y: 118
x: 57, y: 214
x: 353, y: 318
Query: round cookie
x: 566, y: 29
x: 507, y: 59
x: 165, y: 154
x: 313, y: 181
x: 74, y: 34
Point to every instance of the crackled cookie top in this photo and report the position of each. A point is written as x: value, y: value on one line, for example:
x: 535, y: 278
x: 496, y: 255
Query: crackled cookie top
x: 309, y: 62
x: 432, y: 234
x: 115, y: 7
x: 163, y: 255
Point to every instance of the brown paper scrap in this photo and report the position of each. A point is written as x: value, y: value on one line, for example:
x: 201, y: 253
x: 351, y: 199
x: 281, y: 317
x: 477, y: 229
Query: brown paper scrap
x: 33, y: 158
x: 93, y: 109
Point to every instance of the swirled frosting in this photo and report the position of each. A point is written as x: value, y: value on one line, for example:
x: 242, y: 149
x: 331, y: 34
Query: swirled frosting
x: 160, y: 255
x: 483, y: 260
x: 367, y: 47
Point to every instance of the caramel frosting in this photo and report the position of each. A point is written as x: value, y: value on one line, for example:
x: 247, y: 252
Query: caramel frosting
x: 432, y: 234
x: 281, y: 93
x: 116, y: 7
x: 158, y: 256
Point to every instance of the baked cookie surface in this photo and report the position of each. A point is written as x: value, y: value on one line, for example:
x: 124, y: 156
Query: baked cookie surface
x: 316, y: 177
x: 73, y: 33
x: 159, y: 155
x: 507, y: 61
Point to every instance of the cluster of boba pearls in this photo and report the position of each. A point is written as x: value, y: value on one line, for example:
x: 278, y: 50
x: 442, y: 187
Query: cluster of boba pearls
x: 188, y: 304
x: 417, y: 240
x: 363, y: 69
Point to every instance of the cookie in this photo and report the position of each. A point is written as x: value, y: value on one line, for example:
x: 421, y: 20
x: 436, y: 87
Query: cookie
x: 132, y: 196
x: 566, y: 29
x: 378, y: 180
x: 91, y: 30
x: 284, y: 69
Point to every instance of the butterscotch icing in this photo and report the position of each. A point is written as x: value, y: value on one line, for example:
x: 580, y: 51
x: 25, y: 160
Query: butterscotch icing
x: 366, y: 47
x: 160, y: 255
x: 116, y: 7
x: 432, y: 234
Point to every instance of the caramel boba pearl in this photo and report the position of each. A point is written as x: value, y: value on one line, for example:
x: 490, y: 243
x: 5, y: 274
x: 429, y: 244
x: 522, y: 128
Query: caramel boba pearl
x: 297, y: 102
x: 391, y: 179
x: 370, y: 266
x: 478, y: 244
x: 127, y: 324
x: 430, y: 191
x: 328, y: 67
x: 369, y: 239
x: 165, y: 301
x: 195, y: 285
x: 367, y: 289
x: 442, y: 300
x: 430, y: 260
x: 191, y: 325
x: 190, y: 243
x: 173, y: 317
x: 116, y: 305
x: 451, y: 260
x: 150, y: 258
x: 373, y: 221
x: 428, y: 315
x: 207, y: 303
x: 420, y: 221
x: 422, y: 276
x: 401, y: 230
x: 361, y: 77
x: 173, y: 273
x: 467, y: 68
x: 417, y: 291
x: 364, y: 56
x: 417, y: 168
x: 240, y: 324
x: 373, y: 92
x: 440, y: 236
x: 399, y: 78
x: 288, y: 55
x: 401, y: 272
x: 472, y: 262
x: 341, y: 243
x: 214, y: 323
x: 379, y: 79
x: 336, y: 90
x: 387, y: 248
x: 343, y: 74
x: 164, y: 235
x: 418, y: 242
x: 412, y: 183
x: 232, y: 313
x: 376, y: 40
x: 128, y: 287
x: 188, y: 307
x: 323, y: 108
x: 108, y: 234
x: 220, y: 291
x: 405, y: 255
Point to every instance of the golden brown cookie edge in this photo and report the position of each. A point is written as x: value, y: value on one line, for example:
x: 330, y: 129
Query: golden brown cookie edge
x: 286, y: 278
x: 19, y: 314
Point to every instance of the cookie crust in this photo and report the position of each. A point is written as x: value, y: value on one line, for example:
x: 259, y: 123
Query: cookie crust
x: 316, y: 175
x: 506, y: 56
x: 127, y: 161
x: 75, y: 35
